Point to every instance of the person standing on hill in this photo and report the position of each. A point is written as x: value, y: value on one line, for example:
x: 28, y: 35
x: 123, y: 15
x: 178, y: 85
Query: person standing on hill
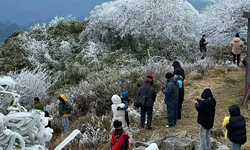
x: 178, y: 70
x: 171, y: 99
x: 38, y: 104
x: 206, y: 113
x: 237, y: 46
x: 203, y: 43
x: 119, y: 139
x: 150, y: 94
x: 64, y: 111
x: 124, y: 98
x: 236, y: 128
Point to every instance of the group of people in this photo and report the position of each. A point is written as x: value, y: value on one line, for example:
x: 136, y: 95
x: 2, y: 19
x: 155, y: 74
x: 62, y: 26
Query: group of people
x: 237, y: 44
x: 64, y: 111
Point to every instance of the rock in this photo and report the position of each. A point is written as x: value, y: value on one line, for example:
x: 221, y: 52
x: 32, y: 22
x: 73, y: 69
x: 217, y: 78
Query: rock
x: 157, y: 141
x: 144, y: 144
x: 217, y: 133
x: 180, y: 141
x: 139, y: 148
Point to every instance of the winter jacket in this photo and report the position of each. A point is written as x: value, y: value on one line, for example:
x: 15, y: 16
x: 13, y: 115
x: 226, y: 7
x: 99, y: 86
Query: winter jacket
x: 118, y: 114
x: 203, y: 45
x: 150, y: 94
x: 64, y: 107
x: 178, y: 70
x: 171, y: 92
x: 122, y: 143
x: 236, y: 45
x: 39, y: 106
x: 236, y: 126
x: 125, y: 101
x: 206, y: 109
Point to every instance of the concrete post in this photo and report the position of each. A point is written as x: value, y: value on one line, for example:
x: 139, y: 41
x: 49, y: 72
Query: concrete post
x: 246, y: 14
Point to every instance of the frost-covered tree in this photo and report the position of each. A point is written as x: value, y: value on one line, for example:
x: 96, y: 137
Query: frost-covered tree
x: 223, y: 19
x: 20, y: 129
x: 148, y: 21
x: 32, y: 83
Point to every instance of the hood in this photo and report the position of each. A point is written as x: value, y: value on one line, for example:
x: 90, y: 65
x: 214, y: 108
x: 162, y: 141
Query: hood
x: 116, y: 99
x: 207, y: 93
x: 236, y: 39
x: 234, y: 110
x: 176, y: 64
x: 124, y: 94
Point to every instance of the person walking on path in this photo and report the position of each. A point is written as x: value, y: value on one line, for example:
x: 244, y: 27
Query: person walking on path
x: 237, y: 46
x: 38, y: 104
x: 171, y: 99
x: 64, y: 111
x: 125, y: 100
x: 150, y: 94
x: 236, y: 128
x: 203, y: 43
x: 206, y: 113
x: 119, y: 139
x: 178, y: 70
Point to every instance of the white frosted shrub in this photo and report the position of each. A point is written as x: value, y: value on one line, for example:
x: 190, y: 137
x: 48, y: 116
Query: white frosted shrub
x: 32, y: 83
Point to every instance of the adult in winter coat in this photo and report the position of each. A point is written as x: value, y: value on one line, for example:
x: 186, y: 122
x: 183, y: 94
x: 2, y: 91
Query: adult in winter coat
x: 124, y: 97
x: 237, y: 46
x: 118, y: 114
x: 203, y: 44
x: 64, y: 111
x: 119, y: 139
x: 150, y: 94
x: 38, y: 104
x: 206, y: 113
x: 171, y: 99
x: 178, y: 70
x: 236, y: 128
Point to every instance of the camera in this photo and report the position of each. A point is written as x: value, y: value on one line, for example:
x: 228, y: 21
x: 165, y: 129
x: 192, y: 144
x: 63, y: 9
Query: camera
x: 197, y: 99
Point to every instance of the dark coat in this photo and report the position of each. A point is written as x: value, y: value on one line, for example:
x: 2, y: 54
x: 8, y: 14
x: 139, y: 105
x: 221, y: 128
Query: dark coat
x: 178, y: 70
x: 171, y: 92
x: 206, y: 109
x: 151, y: 94
x: 236, y: 126
x: 203, y: 45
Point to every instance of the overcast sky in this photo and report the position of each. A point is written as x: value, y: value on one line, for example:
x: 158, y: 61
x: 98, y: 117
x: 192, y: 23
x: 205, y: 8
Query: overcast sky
x: 24, y: 12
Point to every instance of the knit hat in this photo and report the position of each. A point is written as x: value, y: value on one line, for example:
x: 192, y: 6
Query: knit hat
x: 169, y: 75
x: 117, y: 124
x: 149, y: 76
x: 124, y: 94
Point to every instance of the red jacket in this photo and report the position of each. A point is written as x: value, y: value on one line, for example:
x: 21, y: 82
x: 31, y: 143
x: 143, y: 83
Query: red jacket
x: 121, y: 143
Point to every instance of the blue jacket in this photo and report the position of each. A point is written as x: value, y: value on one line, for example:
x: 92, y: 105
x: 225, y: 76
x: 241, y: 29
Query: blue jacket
x: 125, y: 101
x: 171, y: 92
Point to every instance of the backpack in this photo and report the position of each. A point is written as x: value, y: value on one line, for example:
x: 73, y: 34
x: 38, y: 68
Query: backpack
x: 178, y: 80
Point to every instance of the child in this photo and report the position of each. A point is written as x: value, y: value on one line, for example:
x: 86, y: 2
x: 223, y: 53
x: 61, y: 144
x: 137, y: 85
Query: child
x: 120, y: 139
x: 236, y: 128
x: 124, y: 97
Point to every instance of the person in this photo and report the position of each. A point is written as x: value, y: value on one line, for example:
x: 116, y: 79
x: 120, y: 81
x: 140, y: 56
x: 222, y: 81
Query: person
x: 124, y: 97
x: 119, y: 139
x: 237, y: 46
x: 49, y: 117
x: 203, y: 44
x: 38, y: 104
x: 206, y: 113
x: 150, y: 94
x: 118, y: 114
x: 171, y: 99
x: 150, y: 77
x: 179, y: 71
x: 236, y: 128
x: 64, y: 111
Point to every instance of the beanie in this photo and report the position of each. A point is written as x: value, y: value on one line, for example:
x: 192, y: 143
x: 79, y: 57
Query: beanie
x: 149, y: 76
x: 169, y: 75
x: 124, y: 94
x: 36, y: 99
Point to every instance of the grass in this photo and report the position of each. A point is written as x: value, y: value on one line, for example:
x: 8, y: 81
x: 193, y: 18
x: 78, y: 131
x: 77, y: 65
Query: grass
x: 227, y: 88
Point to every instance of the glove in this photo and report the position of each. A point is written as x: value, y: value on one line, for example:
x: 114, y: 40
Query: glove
x: 119, y: 108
